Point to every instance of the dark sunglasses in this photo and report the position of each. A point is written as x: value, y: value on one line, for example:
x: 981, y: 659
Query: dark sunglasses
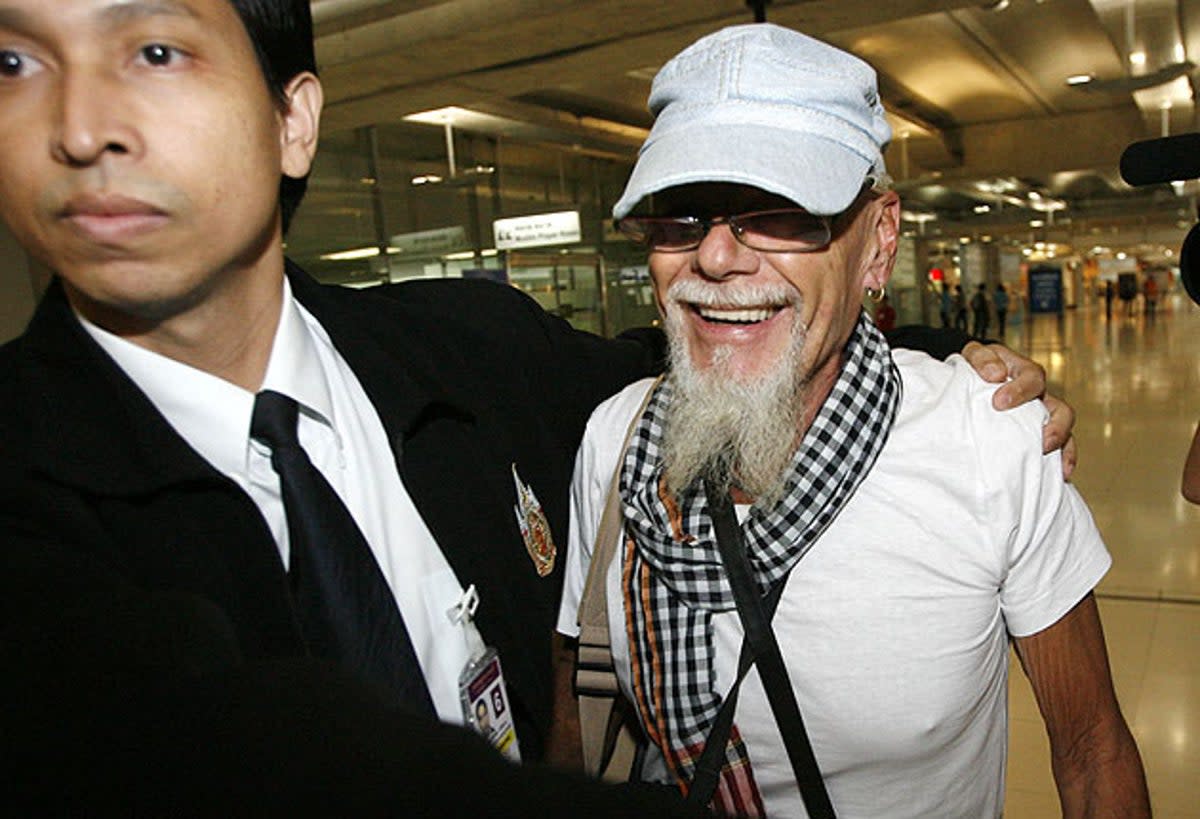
x: 782, y: 230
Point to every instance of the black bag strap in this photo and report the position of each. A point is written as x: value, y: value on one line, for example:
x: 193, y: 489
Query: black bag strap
x: 708, y: 767
x: 765, y: 650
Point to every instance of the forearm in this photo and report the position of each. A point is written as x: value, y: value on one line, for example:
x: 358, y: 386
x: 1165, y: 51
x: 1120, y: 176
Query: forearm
x: 1191, y: 470
x: 1093, y: 754
x: 1101, y: 776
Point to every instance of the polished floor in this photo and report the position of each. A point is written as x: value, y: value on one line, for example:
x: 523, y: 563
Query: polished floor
x: 1135, y: 383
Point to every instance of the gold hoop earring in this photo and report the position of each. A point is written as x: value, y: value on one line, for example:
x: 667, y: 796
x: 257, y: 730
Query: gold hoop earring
x: 876, y: 294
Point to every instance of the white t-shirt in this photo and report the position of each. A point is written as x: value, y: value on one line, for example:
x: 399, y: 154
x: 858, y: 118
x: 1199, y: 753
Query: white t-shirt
x: 895, y: 626
x: 345, y: 439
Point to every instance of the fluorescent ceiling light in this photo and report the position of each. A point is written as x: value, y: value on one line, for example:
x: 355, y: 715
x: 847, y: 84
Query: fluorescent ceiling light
x: 467, y: 255
x: 1079, y: 79
x: 440, y: 116
x: 353, y: 255
x: 465, y: 119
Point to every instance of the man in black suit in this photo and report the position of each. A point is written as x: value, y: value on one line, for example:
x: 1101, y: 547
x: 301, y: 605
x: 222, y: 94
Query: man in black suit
x: 151, y: 155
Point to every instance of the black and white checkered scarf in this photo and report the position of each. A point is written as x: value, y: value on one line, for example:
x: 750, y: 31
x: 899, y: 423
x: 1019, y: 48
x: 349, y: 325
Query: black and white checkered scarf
x: 673, y: 579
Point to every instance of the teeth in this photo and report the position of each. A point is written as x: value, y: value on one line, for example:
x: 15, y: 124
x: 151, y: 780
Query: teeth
x: 743, y: 316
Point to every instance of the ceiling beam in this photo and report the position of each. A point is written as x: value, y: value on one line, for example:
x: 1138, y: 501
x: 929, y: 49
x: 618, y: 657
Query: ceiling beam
x: 1046, y: 145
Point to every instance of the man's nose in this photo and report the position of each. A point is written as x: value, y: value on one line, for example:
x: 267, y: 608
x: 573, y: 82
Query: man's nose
x: 720, y: 255
x: 93, y: 118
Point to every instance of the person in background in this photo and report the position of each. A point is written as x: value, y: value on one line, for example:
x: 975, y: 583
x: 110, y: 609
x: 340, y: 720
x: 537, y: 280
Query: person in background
x: 897, y: 572
x: 960, y: 308
x: 1000, y: 302
x: 979, y: 309
x: 1150, y: 295
x: 1190, y: 484
x: 947, y: 305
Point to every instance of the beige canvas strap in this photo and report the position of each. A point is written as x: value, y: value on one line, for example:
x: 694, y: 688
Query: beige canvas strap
x: 608, y: 727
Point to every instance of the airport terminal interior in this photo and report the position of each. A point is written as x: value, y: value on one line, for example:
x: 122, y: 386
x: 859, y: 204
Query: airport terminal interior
x: 490, y: 138
x: 1009, y: 120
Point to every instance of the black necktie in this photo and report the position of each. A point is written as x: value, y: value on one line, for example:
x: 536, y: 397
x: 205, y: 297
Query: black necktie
x: 345, y: 606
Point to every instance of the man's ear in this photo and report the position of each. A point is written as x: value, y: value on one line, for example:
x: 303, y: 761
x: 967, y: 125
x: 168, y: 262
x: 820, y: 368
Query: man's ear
x: 300, y: 124
x: 885, y: 240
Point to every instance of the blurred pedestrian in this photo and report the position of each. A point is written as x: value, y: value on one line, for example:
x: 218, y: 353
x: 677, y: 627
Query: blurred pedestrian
x: 979, y: 310
x: 960, y: 308
x: 1000, y: 302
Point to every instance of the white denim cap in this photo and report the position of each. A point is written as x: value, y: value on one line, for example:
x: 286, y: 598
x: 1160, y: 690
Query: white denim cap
x: 765, y: 106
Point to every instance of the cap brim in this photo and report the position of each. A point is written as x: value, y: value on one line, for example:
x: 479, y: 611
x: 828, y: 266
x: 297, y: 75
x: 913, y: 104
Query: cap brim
x: 821, y: 176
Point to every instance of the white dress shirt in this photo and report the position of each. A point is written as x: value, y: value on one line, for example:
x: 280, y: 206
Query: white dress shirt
x: 345, y: 439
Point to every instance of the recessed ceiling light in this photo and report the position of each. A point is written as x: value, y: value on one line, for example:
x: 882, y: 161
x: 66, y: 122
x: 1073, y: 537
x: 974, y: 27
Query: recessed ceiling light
x: 1137, y: 58
x: 1079, y: 79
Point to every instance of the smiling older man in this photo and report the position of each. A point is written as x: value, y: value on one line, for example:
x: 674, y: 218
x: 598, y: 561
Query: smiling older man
x: 899, y: 569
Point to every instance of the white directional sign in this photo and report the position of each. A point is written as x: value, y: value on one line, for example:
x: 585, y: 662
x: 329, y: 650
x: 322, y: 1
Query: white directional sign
x: 431, y: 242
x: 539, y: 230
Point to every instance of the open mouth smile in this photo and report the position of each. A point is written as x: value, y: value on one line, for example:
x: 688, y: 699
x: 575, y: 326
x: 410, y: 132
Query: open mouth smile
x: 736, y: 315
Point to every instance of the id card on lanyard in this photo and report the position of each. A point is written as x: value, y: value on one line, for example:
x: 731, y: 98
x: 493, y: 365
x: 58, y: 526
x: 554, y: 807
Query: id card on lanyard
x: 481, y: 684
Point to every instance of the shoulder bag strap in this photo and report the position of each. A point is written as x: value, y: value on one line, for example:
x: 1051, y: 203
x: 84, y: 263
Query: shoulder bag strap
x: 767, y: 657
x: 602, y: 710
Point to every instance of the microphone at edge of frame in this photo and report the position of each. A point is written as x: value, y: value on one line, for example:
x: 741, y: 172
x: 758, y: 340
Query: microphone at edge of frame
x: 1170, y: 159
x: 1158, y: 161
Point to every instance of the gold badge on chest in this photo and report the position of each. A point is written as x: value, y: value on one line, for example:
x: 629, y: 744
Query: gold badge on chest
x: 535, y: 529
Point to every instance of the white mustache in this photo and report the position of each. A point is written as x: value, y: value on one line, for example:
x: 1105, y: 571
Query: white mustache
x: 706, y: 294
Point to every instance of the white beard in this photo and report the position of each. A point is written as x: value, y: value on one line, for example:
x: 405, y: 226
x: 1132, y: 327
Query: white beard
x: 720, y: 427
